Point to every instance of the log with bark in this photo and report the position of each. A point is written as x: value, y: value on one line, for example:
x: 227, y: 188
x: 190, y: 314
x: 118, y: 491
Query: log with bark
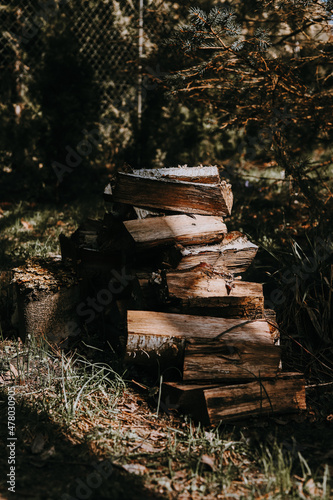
x: 163, y: 193
x: 202, y: 291
x: 204, y: 348
x: 285, y: 393
x: 211, y: 404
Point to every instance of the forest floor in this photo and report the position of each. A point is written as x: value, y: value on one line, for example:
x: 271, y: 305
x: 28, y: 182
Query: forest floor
x: 86, y: 429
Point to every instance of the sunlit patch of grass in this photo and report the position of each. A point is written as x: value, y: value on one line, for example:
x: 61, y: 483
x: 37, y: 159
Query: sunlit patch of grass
x: 287, y: 475
x: 66, y: 386
x: 30, y: 230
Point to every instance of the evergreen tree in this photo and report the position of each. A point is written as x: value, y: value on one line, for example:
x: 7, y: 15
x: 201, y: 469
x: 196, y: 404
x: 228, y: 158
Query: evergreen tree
x: 264, y: 67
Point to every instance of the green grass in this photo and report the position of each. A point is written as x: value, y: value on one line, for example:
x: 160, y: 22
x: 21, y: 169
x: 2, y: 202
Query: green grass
x: 30, y: 230
x: 94, y: 407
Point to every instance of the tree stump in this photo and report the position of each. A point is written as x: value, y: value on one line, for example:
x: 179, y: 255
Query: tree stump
x: 46, y: 292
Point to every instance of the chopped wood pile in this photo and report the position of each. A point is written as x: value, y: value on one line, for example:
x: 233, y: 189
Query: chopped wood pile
x: 188, y: 312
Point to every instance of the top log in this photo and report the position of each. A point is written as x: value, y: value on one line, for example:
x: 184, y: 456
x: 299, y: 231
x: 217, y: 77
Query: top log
x: 170, y: 193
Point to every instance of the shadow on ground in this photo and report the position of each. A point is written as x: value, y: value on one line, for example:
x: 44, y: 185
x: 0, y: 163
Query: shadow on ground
x: 69, y: 472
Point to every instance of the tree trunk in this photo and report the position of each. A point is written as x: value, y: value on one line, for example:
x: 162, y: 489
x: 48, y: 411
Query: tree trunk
x: 47, y: 294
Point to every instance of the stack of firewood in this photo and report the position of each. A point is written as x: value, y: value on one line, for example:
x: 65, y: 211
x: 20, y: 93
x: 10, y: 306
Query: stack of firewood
x: 189, y: 313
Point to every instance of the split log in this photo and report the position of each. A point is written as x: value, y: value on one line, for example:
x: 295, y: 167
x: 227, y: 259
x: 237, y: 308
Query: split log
x: 47, y: 295
x: 207, y: 293
x: 233, y: 254
x: 284, y: 394
x: 229, y: 360
x: 204, y: 175
x: 160, y: 231
x: 204, y: 348
x: 170, y: 194
x: 210, y: 404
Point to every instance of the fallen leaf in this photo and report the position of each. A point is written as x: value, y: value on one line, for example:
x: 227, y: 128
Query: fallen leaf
x: 148, y: 448
x: 156, y: 435
x: 9, y: 374
x: 60, y: 223
x: 207, y: 460
x: 13, y: 370
x: 137, y: 469
x: 311, y: 488
x: 27, y: 225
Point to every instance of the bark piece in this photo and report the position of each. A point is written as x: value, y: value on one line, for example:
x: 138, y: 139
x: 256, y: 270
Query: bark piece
x: 170, y: 194
x: 161, y: 231
x: 143, y: 213
x: 270, y: 317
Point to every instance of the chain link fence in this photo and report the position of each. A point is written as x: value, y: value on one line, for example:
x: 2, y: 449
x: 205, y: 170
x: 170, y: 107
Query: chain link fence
x: 108, y: 33
x: 118, y: 42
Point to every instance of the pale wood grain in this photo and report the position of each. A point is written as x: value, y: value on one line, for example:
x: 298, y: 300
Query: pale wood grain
x: 159, y: 231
